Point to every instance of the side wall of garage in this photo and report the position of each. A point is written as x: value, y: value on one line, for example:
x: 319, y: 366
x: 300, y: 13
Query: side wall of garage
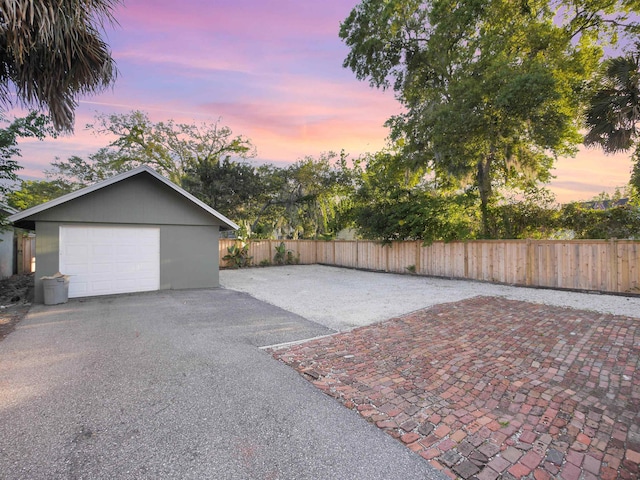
x: 188, y: 255
x: 47, y: 248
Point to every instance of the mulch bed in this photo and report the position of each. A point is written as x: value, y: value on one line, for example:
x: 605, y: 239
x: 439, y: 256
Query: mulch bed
x: 15, y: 300
x: 492, y: 388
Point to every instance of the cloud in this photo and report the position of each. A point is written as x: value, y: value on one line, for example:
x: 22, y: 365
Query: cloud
x: 589, y: 173
x: 249, y: 19
x: 242, y: 36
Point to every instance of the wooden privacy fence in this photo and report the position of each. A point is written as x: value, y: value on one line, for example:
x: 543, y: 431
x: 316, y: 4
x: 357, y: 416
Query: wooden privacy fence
x: 25, y: 254
x: 596, y: 265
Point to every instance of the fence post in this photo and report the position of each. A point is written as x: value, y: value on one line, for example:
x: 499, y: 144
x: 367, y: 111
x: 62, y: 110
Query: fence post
x: 529, y: 263
x: 614, y: 285
x: 466, y: 259
x: 388, y: 248
x: 357, y: 255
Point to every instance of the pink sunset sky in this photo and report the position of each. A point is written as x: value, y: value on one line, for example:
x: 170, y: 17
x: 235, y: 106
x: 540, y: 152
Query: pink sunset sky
x: 271, y: 71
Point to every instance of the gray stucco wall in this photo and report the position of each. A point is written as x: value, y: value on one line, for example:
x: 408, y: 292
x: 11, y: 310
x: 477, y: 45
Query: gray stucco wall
x: 47, y: 258
x: 188, y: 258
x: 141, y: 199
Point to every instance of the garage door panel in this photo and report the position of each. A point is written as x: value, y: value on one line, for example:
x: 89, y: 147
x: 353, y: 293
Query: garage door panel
x: 108, y: 260
x: 105, y: 269
x: 127, y: 268
x: 129, y: 252
x: 76, y: 269
x: 132, y: 286
x: 81, y: 289
x: 103, y: 251
x: 76, y: 251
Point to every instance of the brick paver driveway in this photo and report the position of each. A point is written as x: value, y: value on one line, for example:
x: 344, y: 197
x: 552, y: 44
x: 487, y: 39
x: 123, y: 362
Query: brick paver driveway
x: 493, y: 388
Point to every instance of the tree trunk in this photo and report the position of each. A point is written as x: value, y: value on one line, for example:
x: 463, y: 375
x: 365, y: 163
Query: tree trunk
x: 485, y: 191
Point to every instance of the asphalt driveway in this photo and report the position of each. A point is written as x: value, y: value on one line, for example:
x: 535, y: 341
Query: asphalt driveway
x: 173, y: 385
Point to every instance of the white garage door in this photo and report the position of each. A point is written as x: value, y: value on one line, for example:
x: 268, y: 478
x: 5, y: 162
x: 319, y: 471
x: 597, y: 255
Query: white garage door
x: 107, y: 260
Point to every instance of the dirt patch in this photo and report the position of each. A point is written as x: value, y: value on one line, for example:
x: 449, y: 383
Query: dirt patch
x: 16, y: 294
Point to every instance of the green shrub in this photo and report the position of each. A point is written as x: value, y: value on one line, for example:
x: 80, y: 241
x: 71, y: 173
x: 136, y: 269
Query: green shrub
x: 238, y: 255
x: 284, y: 256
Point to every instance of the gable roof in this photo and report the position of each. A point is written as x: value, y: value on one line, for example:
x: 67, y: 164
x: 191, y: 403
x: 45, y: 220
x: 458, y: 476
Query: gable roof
x: 226, y: 223
x: 605, y: 204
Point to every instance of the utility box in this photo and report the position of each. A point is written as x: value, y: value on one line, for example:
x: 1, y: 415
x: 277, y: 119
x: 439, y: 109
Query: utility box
x: 56, y: 289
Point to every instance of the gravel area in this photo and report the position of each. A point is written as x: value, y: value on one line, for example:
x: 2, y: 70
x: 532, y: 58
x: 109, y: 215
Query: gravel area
x: 343, y: 299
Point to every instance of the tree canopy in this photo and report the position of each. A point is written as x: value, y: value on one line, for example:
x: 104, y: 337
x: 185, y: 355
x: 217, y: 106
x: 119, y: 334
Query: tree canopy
x: 492, y: 89
x: 301, y: 200
x: 34, y: 192
x: 168, y: 147
x: 52, y: 52
x: 393, y: 202
x: 34, y: 125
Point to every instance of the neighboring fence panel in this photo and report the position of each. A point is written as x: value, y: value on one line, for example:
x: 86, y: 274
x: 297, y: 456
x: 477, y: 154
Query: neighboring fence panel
x: 371, y: 256
x: 258, y: 250
x: 25, y: 254
x: 345, y: 254
x: 306, y: 249
x: 599, y: 265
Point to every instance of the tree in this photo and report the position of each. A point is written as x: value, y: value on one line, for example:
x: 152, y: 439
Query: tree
x: 393, y: 202
x: 234, y: 188
x: 31, y: 126
x: 78, y: 172
x: 168, y: 147
x: 617, y: 222
x: 492, y: 88
x: 306, y: 197
x: 210, y: 162
x: 613, y: 113
x: 52, y: 52
x: 533, y: 214
x: 36, y: 192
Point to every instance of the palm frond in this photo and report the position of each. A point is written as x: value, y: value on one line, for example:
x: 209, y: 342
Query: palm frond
x: 614, y: 109
x: 52, y: 52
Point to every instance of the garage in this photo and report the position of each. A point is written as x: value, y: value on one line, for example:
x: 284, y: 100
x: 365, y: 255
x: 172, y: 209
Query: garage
x: 108, y: 260
x: 134, y: 232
